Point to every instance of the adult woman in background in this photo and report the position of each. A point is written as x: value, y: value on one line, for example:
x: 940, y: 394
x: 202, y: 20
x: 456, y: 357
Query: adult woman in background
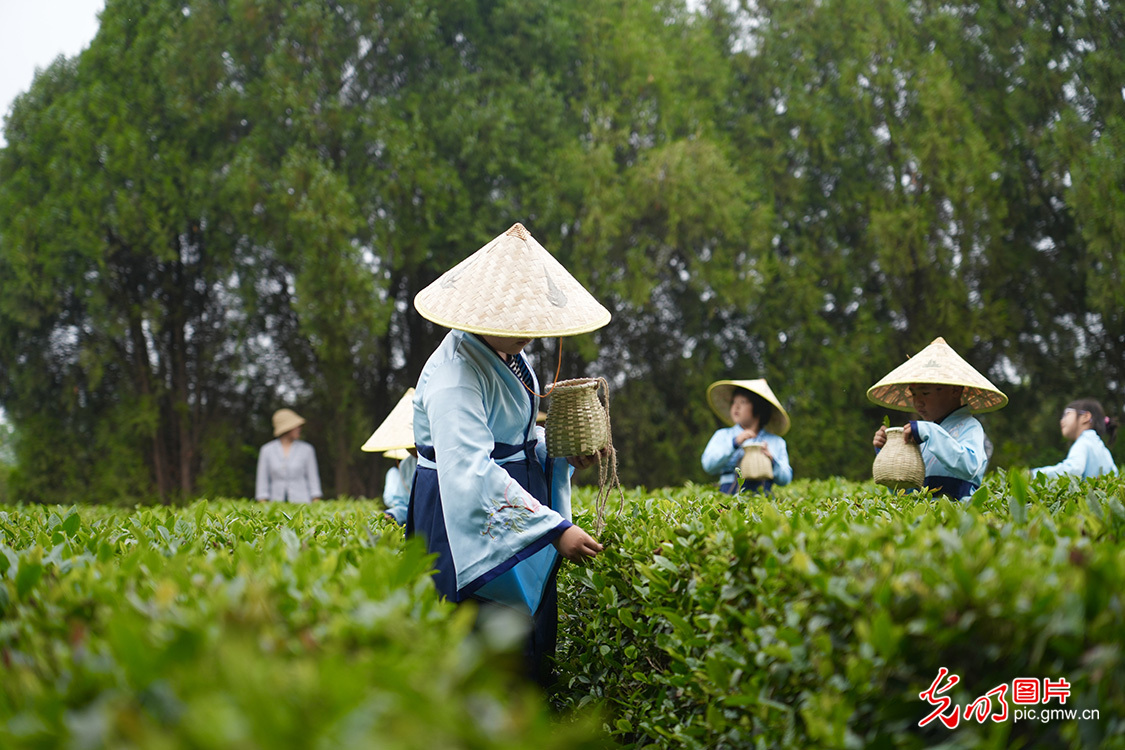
x: 287, y: 470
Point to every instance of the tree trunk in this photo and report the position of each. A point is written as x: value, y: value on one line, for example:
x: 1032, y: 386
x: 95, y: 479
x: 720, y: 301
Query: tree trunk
x: 144, y: 381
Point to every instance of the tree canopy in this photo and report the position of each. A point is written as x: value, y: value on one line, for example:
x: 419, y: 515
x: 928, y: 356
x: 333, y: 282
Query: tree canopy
x: 221, y: 208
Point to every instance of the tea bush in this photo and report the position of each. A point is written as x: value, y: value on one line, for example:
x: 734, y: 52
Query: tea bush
x: 236, y: 624
x: 816, y: 617
x: 813, y: 618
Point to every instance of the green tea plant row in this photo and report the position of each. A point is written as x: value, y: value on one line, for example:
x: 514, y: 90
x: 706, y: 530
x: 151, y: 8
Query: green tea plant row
x: 817, y: 617
x: 235, y: 624
x: 810, y: 619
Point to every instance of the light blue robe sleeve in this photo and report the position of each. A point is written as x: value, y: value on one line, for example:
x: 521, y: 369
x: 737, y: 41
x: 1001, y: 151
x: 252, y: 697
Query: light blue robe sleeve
x: 1088, y: 457
x: 406, y: 469
x: 1074, y: 464
x: 963, y: 458
x: 479, y: 498
x: 395, y: 498
x: 721, y: 452
x: 561, y: 472
x: 782, y: 471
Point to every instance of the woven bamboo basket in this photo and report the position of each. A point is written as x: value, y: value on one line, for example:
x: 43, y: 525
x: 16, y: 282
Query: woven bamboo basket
x: 577, y: 422
x: 754, y: 465
x: 899, y: 464
x: 578, y: 425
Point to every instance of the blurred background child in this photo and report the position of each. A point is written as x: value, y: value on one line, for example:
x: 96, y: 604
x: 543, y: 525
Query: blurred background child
x: 394, y: 438
x: 1090, y: 431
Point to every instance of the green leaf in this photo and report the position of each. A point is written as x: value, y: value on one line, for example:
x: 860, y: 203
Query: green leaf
x: 28, y: 575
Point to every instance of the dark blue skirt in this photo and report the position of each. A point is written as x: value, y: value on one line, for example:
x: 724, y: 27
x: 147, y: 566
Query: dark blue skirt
x: 424, y: 517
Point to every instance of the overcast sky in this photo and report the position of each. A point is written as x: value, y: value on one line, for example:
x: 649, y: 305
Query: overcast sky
x: 33, y: 33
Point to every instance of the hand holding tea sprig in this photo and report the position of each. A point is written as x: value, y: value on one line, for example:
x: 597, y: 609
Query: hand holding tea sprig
x: 576, y: 545
x: 880, y: 438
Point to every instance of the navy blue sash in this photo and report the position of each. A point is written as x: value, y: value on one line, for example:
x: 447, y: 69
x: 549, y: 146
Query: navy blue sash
x: 500, y: 450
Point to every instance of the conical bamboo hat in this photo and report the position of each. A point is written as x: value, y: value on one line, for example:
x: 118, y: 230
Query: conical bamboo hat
x: 937, y: 364
x: 720, y: 393
x: 398, y: 454
x: 511, y: 287
x: 397, y: 430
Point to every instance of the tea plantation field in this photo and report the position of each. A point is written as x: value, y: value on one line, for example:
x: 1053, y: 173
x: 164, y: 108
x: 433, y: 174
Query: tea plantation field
x: 814, y: 618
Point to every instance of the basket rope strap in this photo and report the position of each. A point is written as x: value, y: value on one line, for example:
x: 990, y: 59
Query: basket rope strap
x: 607, y: 469
x: 519, y: 377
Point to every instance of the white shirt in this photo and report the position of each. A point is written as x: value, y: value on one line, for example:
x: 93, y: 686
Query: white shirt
x: 287, y: 478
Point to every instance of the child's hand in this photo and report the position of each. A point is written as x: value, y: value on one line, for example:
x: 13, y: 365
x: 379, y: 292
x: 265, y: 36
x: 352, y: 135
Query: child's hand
x: 907, y: 434
x: 576, y: 545
x: 745, y: 435
x: 766, y: 452
x: 880, y: 438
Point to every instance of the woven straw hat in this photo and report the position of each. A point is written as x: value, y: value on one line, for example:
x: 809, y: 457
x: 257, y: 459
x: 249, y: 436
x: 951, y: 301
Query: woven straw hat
x: 720, y: 392
x: 397, y: 430
x: 398, y: 454
x: 937, y: 364
x: 511, y: 287
x: 285, y: 420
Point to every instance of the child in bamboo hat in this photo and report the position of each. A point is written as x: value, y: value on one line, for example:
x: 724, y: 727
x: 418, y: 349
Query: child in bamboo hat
x: 754, y: 417
x: 394, y: 438
x: 487, y: 499
x: 945, y: 391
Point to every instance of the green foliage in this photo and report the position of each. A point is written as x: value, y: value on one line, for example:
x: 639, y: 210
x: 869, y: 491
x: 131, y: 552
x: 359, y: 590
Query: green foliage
x: 815, y: 618
x: 238, y: 624
x: 7, y: 456
x: 210, y: 214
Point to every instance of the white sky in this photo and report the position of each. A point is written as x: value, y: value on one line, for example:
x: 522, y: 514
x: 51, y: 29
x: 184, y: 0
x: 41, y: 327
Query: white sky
x: 33, y: 33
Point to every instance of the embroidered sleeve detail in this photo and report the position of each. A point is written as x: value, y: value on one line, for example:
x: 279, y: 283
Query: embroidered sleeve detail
x: 510, y: 512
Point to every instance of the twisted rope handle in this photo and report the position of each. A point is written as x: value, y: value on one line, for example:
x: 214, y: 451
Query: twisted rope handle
x: 607, y: 469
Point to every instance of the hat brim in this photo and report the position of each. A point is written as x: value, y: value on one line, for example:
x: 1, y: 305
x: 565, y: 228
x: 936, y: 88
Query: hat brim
x: 397, y: 430
x: 937, y: 364
x: 720, y: 393
x: 287, y: 426
x: 511, y: 287
x: 397, y: 455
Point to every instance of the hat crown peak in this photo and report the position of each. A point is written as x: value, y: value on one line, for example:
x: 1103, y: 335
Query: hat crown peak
x: 938, y: 340
x: 519, y: 231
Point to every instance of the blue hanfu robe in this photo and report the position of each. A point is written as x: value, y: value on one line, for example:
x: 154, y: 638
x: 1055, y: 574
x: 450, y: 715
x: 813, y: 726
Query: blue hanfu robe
x: 953, y: 451
x: 396, y: 488
x: 723, y: 454
x: 486, y: 498
x: 1088, y: 457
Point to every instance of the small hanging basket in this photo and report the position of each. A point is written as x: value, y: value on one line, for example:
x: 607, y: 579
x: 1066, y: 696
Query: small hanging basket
x: 754, y: 465
x: 578, y: 425
x: 899, y: 464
